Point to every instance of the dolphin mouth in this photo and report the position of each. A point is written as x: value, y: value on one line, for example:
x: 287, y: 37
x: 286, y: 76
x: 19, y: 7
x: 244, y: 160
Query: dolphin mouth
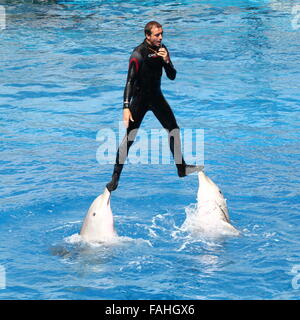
x: 225, y: 216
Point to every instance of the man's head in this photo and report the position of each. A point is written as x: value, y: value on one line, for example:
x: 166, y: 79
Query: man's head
x: 154, y: 33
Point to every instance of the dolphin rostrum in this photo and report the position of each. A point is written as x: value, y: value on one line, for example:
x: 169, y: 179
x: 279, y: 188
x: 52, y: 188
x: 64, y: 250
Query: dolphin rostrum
x: 98, y: 225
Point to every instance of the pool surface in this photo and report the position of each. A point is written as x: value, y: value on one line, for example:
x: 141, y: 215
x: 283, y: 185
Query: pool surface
x: 63, y: 71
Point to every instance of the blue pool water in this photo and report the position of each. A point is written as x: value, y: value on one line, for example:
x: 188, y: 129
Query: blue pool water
x: 63, y: 70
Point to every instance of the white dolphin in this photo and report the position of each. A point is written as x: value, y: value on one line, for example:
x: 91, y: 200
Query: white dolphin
x: 212, y: 209
x: 210, y: 216
x: 98, y: 225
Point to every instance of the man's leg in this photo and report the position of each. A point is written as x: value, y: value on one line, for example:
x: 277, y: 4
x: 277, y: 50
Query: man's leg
x: 165, y: 115
x: 138, y: 112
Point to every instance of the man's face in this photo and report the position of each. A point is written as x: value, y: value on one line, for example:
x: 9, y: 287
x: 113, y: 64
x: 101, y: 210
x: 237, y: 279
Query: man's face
x: 156, y: 36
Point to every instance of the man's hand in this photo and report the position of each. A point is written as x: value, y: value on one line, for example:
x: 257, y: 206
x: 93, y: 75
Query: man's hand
x: 162, y: 52
x: 127, y: 117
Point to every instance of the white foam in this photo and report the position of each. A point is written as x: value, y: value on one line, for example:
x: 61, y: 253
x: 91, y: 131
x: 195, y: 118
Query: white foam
x: 117, y: 240
x: 200, y: 220
x: 74, y: 238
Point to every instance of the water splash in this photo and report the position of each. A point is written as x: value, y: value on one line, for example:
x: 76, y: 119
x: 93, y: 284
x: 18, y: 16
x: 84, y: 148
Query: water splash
x: 200, y: 220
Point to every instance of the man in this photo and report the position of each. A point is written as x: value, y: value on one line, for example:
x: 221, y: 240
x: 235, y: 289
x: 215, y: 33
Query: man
x: 142, y: 93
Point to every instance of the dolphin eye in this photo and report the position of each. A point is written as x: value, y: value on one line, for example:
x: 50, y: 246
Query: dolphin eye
x: 94, y: 214
x: 220, y: 192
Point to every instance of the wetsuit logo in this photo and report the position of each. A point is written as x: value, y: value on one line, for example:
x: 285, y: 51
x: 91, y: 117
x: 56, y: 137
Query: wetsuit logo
x: 152, y: 55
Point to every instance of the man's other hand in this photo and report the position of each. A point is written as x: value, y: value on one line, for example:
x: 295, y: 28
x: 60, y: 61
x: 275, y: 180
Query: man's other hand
x: 127, y: 117
x: 162, y: 52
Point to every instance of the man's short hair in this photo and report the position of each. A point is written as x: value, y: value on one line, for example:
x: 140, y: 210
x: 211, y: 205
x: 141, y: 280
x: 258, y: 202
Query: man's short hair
x: 150, y: 25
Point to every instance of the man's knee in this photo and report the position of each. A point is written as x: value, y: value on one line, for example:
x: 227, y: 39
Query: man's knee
x: 131, y: 134
x: 175, y: 133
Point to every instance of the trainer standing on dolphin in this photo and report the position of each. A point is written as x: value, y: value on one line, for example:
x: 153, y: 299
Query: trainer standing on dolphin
x: 142, y: 93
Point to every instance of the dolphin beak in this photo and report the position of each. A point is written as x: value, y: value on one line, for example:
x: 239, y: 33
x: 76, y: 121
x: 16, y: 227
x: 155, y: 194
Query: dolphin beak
x: 201, y: 175
x: 108, y: 195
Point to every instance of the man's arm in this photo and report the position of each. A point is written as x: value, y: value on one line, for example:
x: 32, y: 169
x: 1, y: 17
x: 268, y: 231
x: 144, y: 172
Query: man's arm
x: 133, y: 69
x: 134, y: 66
x: 167, y: 63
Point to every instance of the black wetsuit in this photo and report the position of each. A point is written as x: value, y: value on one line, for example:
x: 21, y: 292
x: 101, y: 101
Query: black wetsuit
x: 142, y: 93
